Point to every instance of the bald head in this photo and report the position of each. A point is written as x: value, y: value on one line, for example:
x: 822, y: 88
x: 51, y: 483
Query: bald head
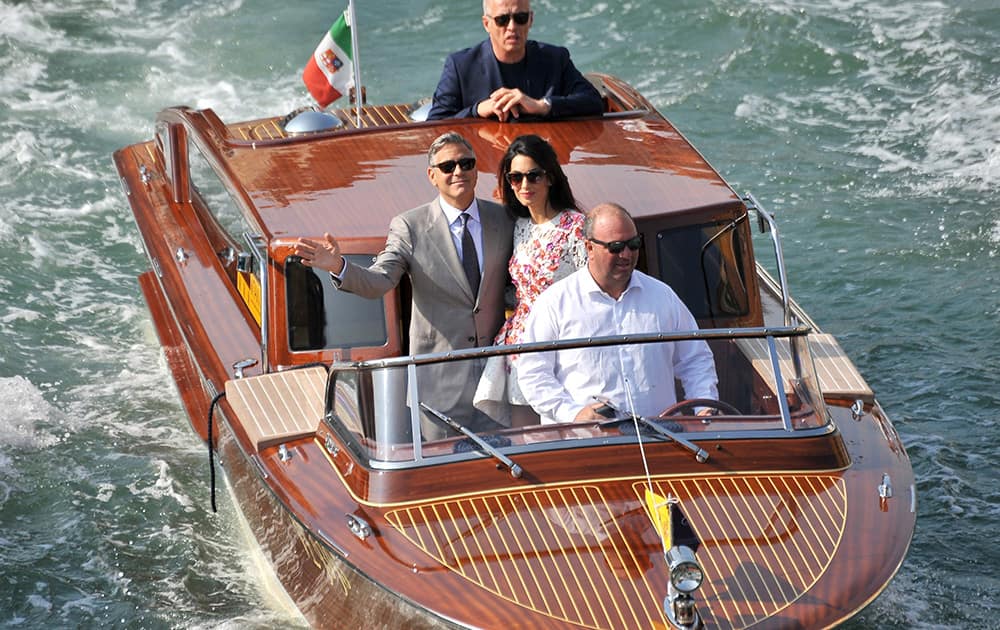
x: 605, y: 213
x: 611, y: 235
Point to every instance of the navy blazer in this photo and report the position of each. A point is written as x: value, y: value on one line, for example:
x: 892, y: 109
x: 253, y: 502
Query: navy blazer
x: 471, y: 75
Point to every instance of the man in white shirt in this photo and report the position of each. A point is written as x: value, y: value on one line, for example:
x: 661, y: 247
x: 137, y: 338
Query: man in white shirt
x: 609, y: 297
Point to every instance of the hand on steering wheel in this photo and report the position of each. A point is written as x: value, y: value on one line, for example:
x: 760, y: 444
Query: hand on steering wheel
x: 710, y: 403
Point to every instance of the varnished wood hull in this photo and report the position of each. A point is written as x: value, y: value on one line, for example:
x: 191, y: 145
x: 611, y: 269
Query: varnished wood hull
x: 793, y: 533
x: 517, y: 553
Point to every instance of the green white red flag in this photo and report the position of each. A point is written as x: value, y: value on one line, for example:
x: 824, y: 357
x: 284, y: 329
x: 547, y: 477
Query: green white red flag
x: 329, y: 73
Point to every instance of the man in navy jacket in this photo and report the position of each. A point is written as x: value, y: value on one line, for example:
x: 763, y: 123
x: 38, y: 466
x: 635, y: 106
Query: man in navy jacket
x: 509, y: 76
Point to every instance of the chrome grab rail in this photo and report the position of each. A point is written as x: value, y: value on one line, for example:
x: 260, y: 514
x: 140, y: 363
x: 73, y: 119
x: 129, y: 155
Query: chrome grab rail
x: 583, y: 342
x: 765, y: 216
x: 411, y: 362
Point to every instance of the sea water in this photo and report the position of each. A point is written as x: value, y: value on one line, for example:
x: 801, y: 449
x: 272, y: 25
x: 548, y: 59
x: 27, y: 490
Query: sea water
x: 870, y: 128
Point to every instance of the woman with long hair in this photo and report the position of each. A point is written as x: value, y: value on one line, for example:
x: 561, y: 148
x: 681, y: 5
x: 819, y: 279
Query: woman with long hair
x: 548, y: 246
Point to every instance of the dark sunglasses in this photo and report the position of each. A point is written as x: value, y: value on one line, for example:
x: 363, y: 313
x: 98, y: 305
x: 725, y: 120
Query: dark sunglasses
x: 448, y: 166
x: 616, y: 247
x: 533, y: 176
x: 520, y: 18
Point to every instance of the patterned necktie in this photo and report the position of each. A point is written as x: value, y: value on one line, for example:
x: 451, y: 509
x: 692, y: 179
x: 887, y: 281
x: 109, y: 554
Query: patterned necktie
x: 470, y: 259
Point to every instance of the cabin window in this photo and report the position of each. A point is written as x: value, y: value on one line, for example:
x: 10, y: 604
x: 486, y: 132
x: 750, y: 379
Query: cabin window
x: 321, y: 317
x: 704, y: 265
x: 214, y: 195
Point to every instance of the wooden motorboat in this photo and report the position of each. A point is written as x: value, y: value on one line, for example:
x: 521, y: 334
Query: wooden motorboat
x: 791, y: 508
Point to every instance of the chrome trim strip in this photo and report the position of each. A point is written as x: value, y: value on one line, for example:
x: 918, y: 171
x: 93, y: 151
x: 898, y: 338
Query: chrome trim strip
x: 786, y: 415
x: 418, y: 453
x: 261, y: 254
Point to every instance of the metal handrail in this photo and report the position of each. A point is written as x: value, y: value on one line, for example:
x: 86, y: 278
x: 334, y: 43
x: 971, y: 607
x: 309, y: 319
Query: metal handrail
x: 583, y: 342
x: 763, y: 215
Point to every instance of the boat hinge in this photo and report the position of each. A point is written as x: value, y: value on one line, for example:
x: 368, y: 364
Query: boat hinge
x: 885, y: 488
x: 239, y: 366
x: 331, y: 446
x: 857, y: 409
x: 358, y: 526
x: 884, y: 491
x: 283, y: 453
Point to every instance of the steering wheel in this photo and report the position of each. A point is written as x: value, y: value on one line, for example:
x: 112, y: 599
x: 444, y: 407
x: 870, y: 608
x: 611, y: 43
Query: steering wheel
x: 711, y: 403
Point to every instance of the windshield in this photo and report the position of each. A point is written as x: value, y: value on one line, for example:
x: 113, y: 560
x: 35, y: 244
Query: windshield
x: 412, y: 411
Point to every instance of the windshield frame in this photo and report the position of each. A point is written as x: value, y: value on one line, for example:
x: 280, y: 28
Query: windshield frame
x: 379, y: 375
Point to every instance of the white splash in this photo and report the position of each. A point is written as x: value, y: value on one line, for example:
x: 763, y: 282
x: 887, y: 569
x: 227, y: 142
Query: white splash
x: 24, y: 407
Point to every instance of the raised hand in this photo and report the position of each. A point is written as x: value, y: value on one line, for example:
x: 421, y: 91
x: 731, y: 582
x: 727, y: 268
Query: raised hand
x: 322, y: 254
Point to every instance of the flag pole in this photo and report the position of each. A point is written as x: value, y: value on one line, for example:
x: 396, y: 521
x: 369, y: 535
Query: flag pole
x: 355, y: 61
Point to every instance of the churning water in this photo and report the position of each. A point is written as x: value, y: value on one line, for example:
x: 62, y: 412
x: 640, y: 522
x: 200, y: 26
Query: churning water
x: 871, y: 128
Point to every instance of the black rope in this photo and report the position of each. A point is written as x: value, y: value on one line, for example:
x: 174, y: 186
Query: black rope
x: 211, y: 453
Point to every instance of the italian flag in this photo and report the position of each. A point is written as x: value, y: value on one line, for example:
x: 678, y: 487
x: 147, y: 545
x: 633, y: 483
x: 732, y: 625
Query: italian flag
x: 329, y: 74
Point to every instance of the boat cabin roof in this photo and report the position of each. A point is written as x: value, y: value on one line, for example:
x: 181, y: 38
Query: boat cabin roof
x: 351, y: 182
x: 352, y: 185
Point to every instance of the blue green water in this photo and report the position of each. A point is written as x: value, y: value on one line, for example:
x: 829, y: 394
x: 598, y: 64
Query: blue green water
x: 871, y: 128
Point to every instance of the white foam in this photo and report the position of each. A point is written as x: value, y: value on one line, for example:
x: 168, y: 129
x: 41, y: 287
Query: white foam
x: 23, y: 24
x: 15, y: 313
x: 161, y: 488
x: 24, y: 408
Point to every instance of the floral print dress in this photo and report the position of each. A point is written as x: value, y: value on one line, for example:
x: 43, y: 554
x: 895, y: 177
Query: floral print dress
x: 543, y: 253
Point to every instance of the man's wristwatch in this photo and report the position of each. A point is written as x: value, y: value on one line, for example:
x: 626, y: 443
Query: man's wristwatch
x: 548, y: 105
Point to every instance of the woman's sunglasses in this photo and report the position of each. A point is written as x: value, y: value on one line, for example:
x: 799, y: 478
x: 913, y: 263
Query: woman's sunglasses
x: 533, y: 176
x: 616, y: 247
x: 520, y: 18
x: 448, y: 166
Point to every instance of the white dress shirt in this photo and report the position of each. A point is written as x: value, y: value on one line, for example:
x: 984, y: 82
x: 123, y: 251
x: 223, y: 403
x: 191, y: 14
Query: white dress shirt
x: 560, y: 384
x: 454, y: 216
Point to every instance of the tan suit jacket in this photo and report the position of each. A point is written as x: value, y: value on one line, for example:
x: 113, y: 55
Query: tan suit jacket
x: 445, y: 315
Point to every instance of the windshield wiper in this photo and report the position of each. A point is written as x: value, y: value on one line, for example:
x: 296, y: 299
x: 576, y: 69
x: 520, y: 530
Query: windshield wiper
x: 515, y: 470
x: 700, y: 454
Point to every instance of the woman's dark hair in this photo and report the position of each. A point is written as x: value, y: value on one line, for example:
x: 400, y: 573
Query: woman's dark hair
x: 536, y: 148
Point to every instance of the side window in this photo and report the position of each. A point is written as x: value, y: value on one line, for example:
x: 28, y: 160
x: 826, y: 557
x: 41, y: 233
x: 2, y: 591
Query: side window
x: 703, y: 264
x: 229, y: 232
x: 214, y: 195
x: 321, y: 317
